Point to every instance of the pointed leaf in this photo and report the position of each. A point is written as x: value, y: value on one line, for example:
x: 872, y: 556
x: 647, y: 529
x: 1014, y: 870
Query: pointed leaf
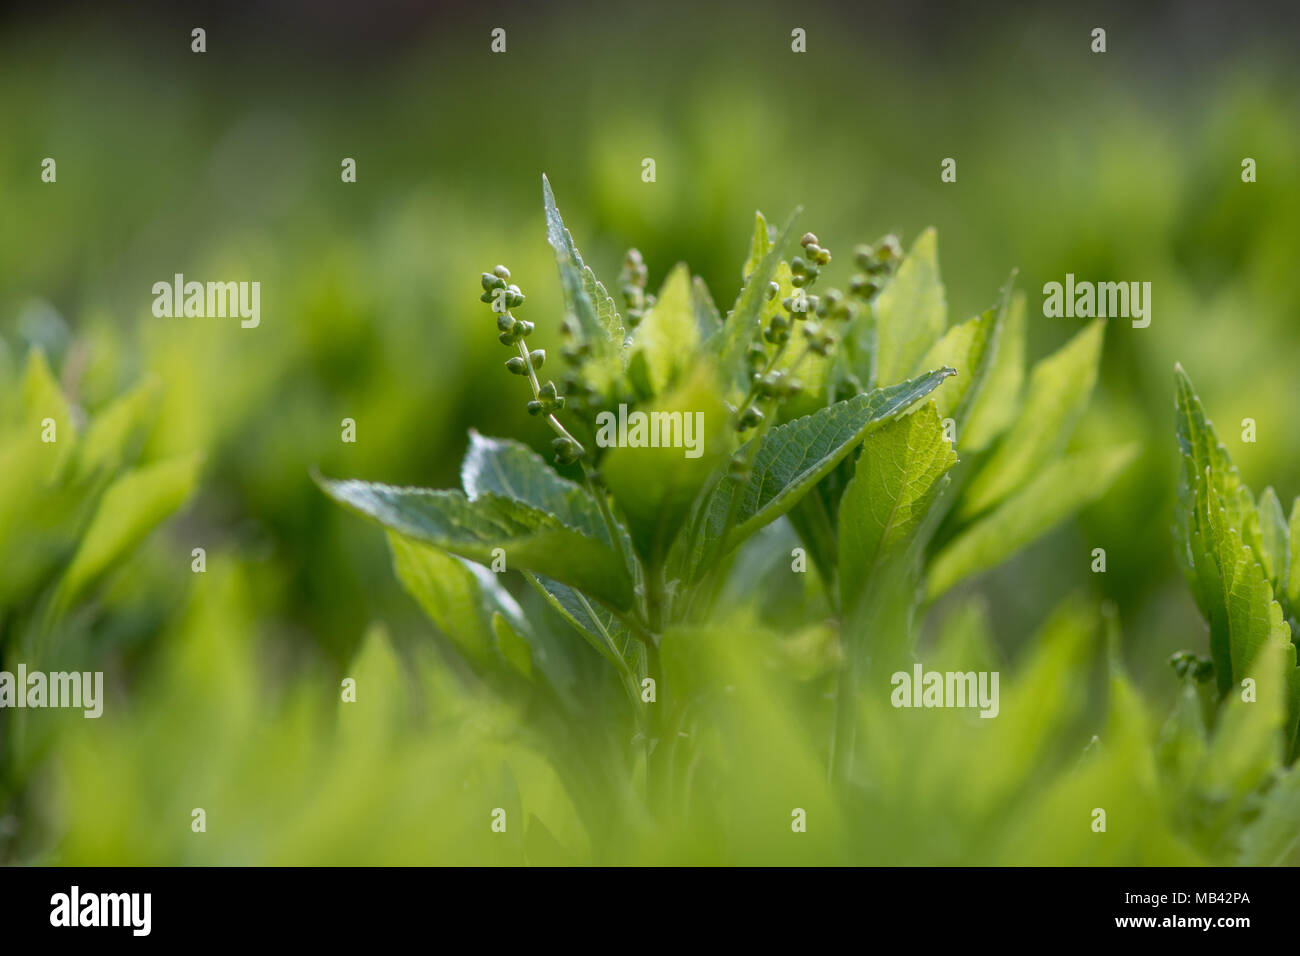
x: 533, y: 539
x: 1059, y: 490
x: 792, y: 458
x: 897, y: 478
x: 1059, y: 387
x: 995, y: 407
x: 911, y: 312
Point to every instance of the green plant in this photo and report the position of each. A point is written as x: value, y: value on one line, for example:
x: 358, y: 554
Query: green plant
x: 838, y: 414
x: 75, y: 503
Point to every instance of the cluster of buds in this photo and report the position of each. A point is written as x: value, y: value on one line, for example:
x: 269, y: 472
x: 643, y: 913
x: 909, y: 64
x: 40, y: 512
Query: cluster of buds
x: 632, y: 280
x: 504, y: 296
x: 803, y: 273
x: 1188, y: 664
x: 877, y: 263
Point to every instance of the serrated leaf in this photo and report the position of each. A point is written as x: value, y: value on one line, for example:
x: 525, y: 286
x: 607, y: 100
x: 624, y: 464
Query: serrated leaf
x: 131, y: 507
x: 793, y: 457
x: 1058, y: 391
x: 1059, y: 490
x: 1254, y: 618
x: 997, y: 402
x: 731, y: 345
x: 897, y: 478
x: 1275, y: 540
x: 510, y: 469
x: 600, y: 628
x: 668, y: 335
x: 911, y: 312
x: 1201, y: 450
x: 533, y: 539
x: 585, y: 297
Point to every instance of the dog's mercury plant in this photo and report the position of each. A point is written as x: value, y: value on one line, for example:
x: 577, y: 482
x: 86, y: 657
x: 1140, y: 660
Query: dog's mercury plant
x: 833, y: 416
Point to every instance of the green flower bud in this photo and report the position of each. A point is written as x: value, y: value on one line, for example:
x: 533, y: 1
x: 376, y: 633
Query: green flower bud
x: 749, y: 418
x: 517, y: 365
x: 537, y: 357
x: 491, y: 282
x: 773, y: 288
x: 888, y: 249
x: 501, y: 272
x: 534, y: 407
x: 738, y: 468
x: 505, y: 322
x: 567, y: 451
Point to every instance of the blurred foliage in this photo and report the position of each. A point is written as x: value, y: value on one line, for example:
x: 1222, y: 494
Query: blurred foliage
x: 223, y: 687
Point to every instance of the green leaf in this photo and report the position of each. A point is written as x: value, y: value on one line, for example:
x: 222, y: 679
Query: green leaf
x: 601, y: 629
x: 532, y: 539
x: 656, y: 486
x: 1271, y: 837
x: 131, y: 507
x: 792, y: 458
x: 707, y: 318
x: 1254, y: 618
x: 512, y: 647
x: 899, y: 474
x: 109, y: 437
x: 1293, y: 579
x: 448, y: 592
x: 510, y: 469
x: 731, y: 345
x: 1275, y: 540
x: 759, y: 246
x: 1059, y: 490
x: 965, y: 348
x: 1059, y: 387
x: 667, y: 338
x: 911, y: 312
x: 585, y: 297
x: 42, y: 399
x: 995, y: 406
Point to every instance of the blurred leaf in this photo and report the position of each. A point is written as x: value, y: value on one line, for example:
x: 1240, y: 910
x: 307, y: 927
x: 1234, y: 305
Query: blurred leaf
x: 995, y: 405
x: 109, y: 436
x: 792, y: 458
x: 911, y: 313
x: 898, y: 475
x: 532, y: 539
x: 448, y: 592
x: 1059, y: 490
x: 1275, y: 538
x: 759, y: 246
x: 1293, y: 580
x: 132, y: 506
x: 656, y: 487
x: 707, y: 318
x: 1058, y: 391
x: 1273, y: 834
x: 512, y: 647
x: 668, y: 335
